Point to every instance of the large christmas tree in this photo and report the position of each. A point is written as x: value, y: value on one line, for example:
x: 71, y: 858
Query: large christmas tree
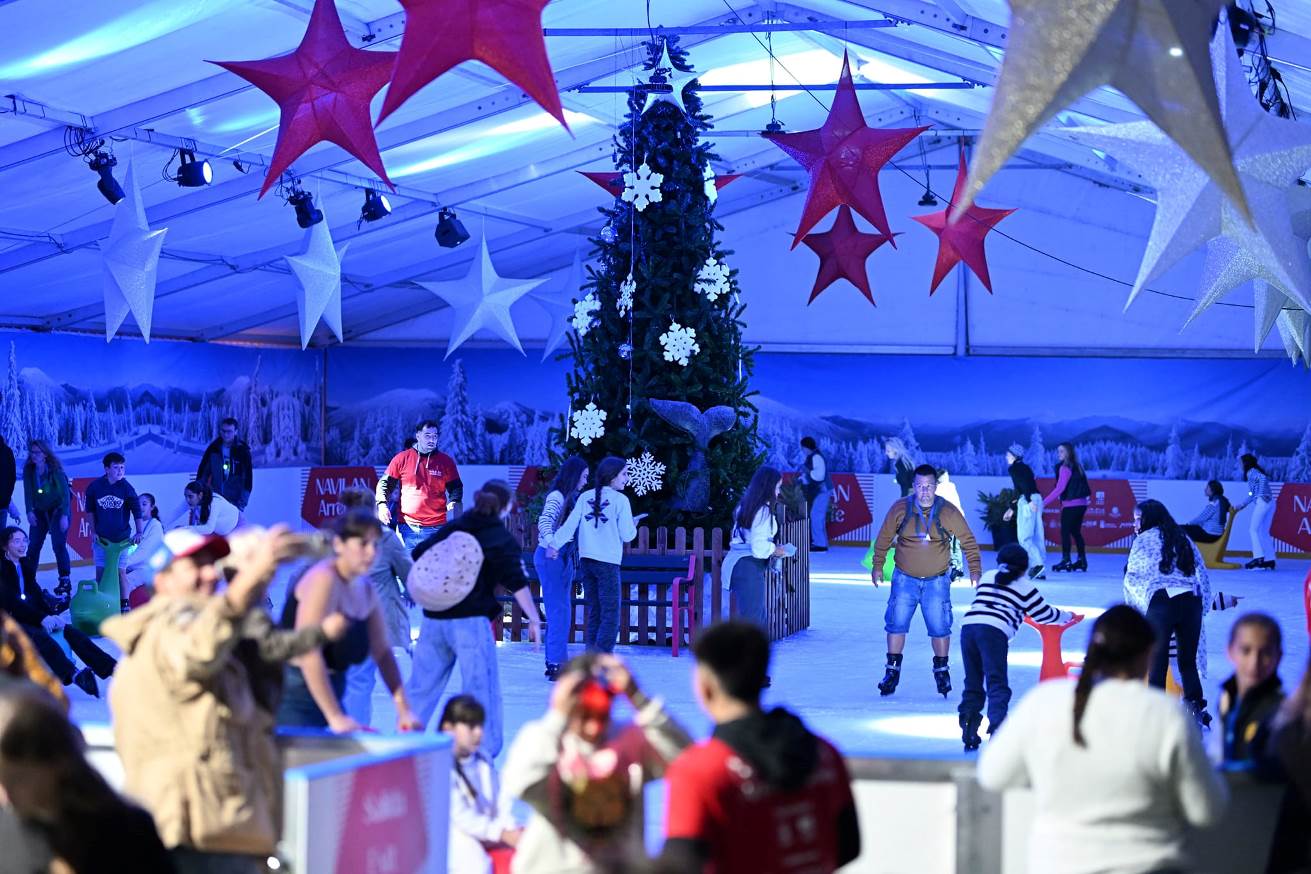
x: 659, y: 347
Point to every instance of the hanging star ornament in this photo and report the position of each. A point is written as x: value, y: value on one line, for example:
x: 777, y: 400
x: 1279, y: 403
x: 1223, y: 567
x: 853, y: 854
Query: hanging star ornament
x: 1153, y: 51
x: 961, y: 239
x: 843, y: 250
x: 1192, y: 211
x: 482, y: 300
x: 506, y: 35
x: 130, y: 262
x: 843, y: 159
x: 323, y: 90
x: 1295, y: 332
x: 664, y: 74
x: 318, y: 280
x: 559, y: 306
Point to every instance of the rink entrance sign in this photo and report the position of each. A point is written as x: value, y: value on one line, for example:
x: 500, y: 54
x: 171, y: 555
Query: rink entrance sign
x: 1292, y: 522
x: 323, y: 488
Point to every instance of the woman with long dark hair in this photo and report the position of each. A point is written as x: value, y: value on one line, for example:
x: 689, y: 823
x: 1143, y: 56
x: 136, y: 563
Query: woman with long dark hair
x: 1166, y: 580
x: 1075, y: 495
x: 136, y: 564
x: 753, y: 545
x: 603, y: 520
x: 1117, y: 771
x: 46, y: 494
x: 1259, y: 494
x: 557, y: 574
x: 206, y: 511
x: 48, y: 783
x: 1209, y: 525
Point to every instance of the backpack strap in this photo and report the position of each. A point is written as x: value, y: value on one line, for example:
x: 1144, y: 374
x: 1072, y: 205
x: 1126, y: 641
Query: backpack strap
x: 934, y: 516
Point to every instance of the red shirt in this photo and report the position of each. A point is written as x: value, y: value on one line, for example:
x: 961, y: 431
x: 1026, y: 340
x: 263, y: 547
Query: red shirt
x: 423, y: 480
x: 715, y: 797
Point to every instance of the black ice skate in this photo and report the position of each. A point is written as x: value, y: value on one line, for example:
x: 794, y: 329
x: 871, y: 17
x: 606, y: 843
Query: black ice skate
x: 941, y: 675
x: 892, y: 676
x: 969, y: 731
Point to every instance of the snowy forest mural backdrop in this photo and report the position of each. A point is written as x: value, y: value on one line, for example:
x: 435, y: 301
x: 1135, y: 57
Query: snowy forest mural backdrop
x: 1140, y: 418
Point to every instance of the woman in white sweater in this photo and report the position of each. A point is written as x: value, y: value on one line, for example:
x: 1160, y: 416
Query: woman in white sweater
x: 1117, y: 768
x: 752, y: 545
x: 603, y: 520
x: 206, y: 511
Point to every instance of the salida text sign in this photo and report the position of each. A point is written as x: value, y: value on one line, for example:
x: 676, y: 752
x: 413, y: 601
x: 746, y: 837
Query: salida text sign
x: 323, y: 488
x: 1109, y: 517
x: 1292, y: 522
x: 384, y: 829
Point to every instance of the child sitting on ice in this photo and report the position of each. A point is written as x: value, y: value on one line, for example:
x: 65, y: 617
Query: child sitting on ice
x: 1003, y: 599
x: 480, y: 821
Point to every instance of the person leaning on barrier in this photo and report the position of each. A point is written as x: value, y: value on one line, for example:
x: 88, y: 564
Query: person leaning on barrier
x: 197, y: 747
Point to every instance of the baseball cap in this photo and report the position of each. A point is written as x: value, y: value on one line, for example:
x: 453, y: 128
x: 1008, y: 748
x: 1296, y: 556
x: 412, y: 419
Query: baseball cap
x: 182, y: 542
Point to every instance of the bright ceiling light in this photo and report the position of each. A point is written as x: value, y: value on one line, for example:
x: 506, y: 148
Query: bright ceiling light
x: 475, y: 141
x: 810, y: 66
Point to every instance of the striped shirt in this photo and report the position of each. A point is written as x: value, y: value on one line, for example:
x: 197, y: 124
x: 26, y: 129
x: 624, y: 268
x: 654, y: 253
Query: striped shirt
x: 550, y: 516
x: 1258, y: 485
x: 1004, y: 607
x: 1209, y: 519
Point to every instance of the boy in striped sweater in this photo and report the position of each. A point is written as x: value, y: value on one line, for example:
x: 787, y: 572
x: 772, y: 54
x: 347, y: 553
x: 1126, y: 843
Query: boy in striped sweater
x: 1001, y: 602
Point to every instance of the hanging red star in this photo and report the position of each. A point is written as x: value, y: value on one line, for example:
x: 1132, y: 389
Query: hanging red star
x: 613, y: 181
x: 843, y: 250
x: 962, y: 240
x: 844, y: 158
x: 506, y: 35
x: 323, y: 89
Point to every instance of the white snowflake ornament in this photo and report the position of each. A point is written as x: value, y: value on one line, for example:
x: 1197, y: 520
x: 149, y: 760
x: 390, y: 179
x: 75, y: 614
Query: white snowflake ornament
x: 711, y: 189
x: 680, y: 343
x: 712, y: 279
x: 585, y: 312
x: 627, y: 289
x: 642, y: 187
x: 588, y: 424
x: 645, y: 474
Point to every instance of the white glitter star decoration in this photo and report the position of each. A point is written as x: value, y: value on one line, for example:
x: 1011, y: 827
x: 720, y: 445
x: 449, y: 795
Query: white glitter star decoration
x: 645, y: 474
x: 587, y: 424
x: 130, y: 261
x: 585, y: 312
x: 482, y: 300
x: 665, y: 73
x: 712, y: 279
x: 318, y: 280
x: 1192, y: 211
x: 680, y: 343
x: 627, y: 289
x: 642, y: 187
x: 1152, y: 51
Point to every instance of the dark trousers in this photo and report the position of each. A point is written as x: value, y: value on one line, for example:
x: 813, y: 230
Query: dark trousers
x: 1197, y: 535
x: 600, y: 581
x: 47, y: 522
x: 1072, y: 529
x: 748, y: 583
x: 99, y: 661
x: 983, y: 649
x: 1182, y: 617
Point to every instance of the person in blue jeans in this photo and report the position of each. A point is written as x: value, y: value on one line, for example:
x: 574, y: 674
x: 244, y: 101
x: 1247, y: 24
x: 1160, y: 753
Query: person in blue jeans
x: 818, y: 486
x: 921, y: 527
x: 557, y: 574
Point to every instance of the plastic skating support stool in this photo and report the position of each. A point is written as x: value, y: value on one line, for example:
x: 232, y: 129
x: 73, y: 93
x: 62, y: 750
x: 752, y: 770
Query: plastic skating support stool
x: 1054, y: 665
x: 93, y: 602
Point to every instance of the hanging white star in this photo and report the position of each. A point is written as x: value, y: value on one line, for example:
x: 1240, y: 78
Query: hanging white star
x: 677, y: 80
x: 1295, y: 331
x: 1153, y: 51
x: 130, y: 262
x: 1270, y: 154
x: 482, y: 300
x: 318, y: 280
x: 560, y: 305
x: 642, y: 187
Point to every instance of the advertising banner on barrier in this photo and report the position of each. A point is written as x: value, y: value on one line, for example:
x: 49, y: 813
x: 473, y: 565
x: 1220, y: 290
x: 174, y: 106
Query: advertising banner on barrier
x: 79, y: 525
x: 386, y: 805
x: 323, y: 485
x: 1292, y: 522
x: 1110, y: 513
x: 850, y: 506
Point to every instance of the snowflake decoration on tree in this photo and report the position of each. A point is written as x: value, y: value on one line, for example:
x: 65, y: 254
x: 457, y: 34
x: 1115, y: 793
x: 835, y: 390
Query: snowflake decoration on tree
x: 642, y: 187
x: 645, y: 474
x: 588, y: 424
x: 585, y: 312
x: 627, y: 289
x: 711, y: 189
x: 712, y: 279
x: 680, y: 343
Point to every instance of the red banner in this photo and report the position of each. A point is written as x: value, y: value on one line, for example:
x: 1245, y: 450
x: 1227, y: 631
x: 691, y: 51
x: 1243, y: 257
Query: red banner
x: 324, y: 484
x: 1109, y: 517
x: 1292, y: 522
x: 79, y: 524
x: 850, y: 508
x: 384, y: 827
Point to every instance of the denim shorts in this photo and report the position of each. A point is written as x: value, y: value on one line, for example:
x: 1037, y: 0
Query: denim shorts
x: 932, y: 596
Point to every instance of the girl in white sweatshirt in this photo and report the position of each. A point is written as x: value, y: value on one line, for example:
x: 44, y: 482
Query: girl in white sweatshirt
x: 1117, y: 768
x: 481, y: 823
x: 753, y: 546
x: 603, y: 520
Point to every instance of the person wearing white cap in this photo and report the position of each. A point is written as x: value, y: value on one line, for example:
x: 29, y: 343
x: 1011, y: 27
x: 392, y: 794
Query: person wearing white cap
x: 197, y: 749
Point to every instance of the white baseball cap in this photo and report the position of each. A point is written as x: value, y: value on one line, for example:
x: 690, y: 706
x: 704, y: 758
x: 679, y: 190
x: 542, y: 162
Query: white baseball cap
x: 182, y: 542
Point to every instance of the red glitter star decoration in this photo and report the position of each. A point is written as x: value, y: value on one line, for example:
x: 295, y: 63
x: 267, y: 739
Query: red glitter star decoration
x: 843, y: 250
x: 323, y: 89
x: 613, y: 181
x: 506, y: 35
x: 962, y: 239
x: 844, y: 158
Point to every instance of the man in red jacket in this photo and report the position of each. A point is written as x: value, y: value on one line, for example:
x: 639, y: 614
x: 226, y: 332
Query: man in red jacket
x: 429, y: 483
x: 764, y: 795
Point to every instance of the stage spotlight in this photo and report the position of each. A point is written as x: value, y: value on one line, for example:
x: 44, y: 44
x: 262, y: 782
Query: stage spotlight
x: 192, y: 173
x: 376, y: 206
x: 306, y: 214
x: 450, y: 231
x: 104, y: 164
x: 928, y: 199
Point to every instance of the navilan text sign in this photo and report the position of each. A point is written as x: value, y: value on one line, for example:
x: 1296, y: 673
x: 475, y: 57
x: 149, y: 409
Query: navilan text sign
x: 323, y: 488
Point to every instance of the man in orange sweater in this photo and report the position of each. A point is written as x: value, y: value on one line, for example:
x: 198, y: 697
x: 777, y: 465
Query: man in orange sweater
x: 922, y: 526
